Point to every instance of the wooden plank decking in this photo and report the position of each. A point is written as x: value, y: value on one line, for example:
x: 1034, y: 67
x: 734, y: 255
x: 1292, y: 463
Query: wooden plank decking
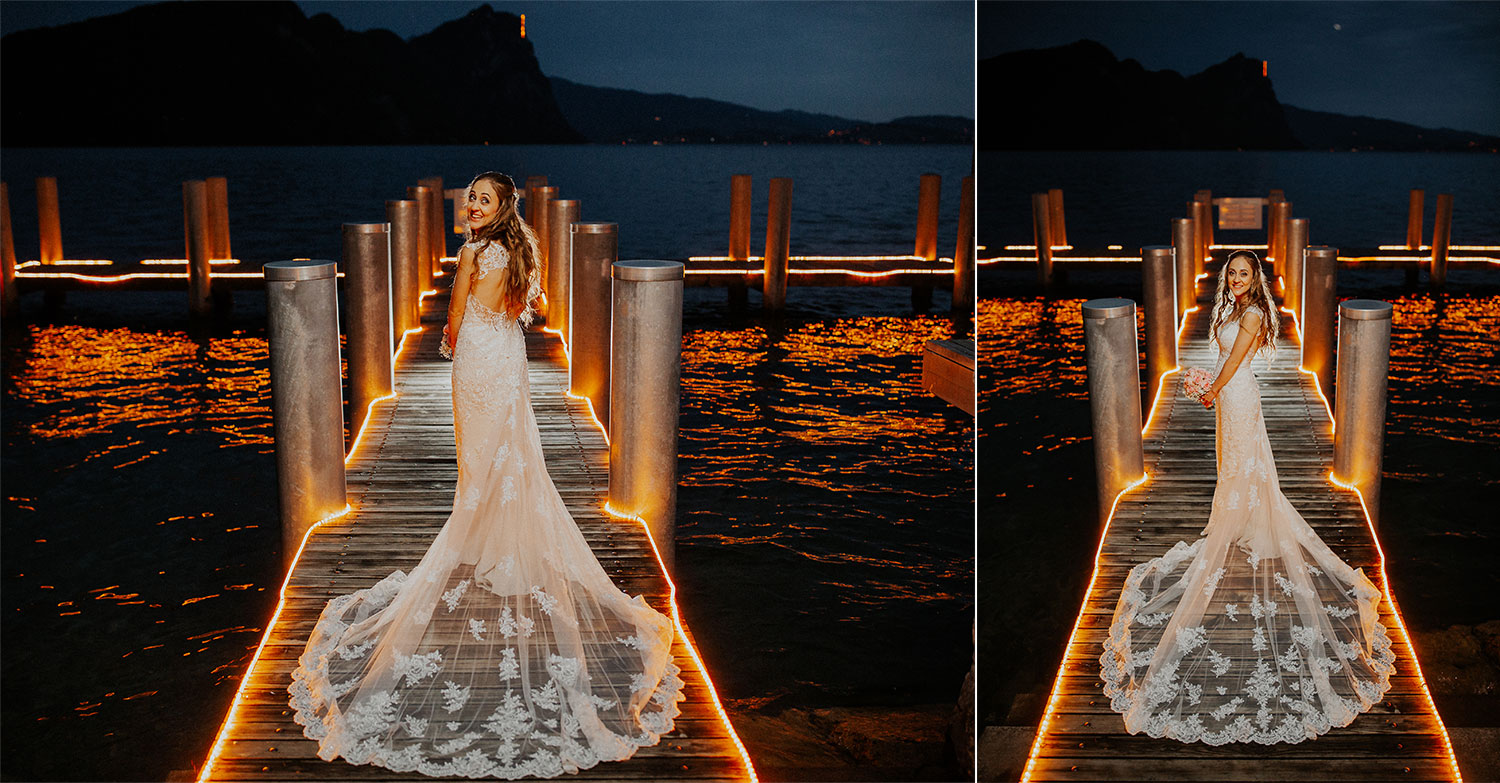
x: 1083, y: 739
x: 400, y: 482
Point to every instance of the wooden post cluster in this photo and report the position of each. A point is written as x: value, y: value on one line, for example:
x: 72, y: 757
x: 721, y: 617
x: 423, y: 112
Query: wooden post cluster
x: 778, y: 244
x: 1114, y: 381
x: 1364, y: 362
x: 1041, y: 226
x: 1442, y: 226
x: 645, y: 368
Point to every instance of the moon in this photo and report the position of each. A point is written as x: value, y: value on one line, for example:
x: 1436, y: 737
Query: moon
x: 1337, y: 26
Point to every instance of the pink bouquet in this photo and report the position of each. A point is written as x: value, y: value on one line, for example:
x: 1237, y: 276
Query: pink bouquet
x: 1196, y: 382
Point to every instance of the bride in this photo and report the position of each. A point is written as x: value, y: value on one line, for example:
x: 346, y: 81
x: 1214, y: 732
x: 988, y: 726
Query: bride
x: 1255, y: 632
x: 507, y: 651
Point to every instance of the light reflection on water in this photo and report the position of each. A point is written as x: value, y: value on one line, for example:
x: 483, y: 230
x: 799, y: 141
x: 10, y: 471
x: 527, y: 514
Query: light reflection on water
x: 140, y: 537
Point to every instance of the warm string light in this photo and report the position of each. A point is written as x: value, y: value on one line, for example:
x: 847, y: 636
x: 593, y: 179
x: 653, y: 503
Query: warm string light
x: 133, y: 276
x: 230, y: 719
x: 183, y: 261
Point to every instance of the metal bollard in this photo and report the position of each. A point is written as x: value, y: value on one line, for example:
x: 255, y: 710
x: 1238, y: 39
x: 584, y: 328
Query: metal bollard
x: 1159, y: 285
x: 367, y: 291
x: 437, y: 234
x: 929, y: 191
x: 1318, y: 285
x: 10, y: 299
x: 307, y: 407
x: 1414, y: 218
x: 1442, y: 227
x: 1041, y: 229
x: 406, y: 284
x: 1207, y: 197
x: 1364, y: 362
x: 1058, y: 219
x: 739, y: 236
x: 532, y: 183
x: 200, y: 271
x: 645, y: 370
x: 426, y: 269
x: 963, y: 253
x: 1183, y: 248
x: 1114, y: 380
x: 1281, y: 212
x: 1202, y: 218
x: 596, y: 247
x: 561, y: 215
x: 218, y: 218
x: 778, y: 244
x: 49, y: 221
x: 543, y: 209
x: 1296, y: 260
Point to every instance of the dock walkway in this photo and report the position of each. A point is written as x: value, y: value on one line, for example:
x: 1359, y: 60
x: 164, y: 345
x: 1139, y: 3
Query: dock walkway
x: 400, y: 481
x: 1081, y: 738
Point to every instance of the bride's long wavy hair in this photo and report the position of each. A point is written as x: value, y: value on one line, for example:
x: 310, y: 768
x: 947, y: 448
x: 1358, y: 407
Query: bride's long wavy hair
x: 1227, y: 308
x: 512, y: 233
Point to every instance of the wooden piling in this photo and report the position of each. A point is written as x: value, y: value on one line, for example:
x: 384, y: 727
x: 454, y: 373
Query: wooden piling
x: 929, y: 191
x: 10, y: 299
x: 963, y: 254
x: 1442, y: 226
x: 218, y: 218
x: 1041, y: 227
x: 1414, y: 219
x: 1058, y: 217
x: 778, y: 244
x: 739, y: 235
x: 49, y: 221
x: 200, y: 271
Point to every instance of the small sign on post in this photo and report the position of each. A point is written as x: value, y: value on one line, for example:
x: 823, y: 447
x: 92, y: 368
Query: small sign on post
x: 1240, y: 213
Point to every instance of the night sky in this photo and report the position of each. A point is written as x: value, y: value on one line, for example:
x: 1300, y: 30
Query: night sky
x: 1433, y: 64
x: 871, y: 61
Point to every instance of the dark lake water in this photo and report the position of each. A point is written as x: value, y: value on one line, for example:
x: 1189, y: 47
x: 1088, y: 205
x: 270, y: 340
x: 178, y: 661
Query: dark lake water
x: 825, y: 512
x: 1037, y: 527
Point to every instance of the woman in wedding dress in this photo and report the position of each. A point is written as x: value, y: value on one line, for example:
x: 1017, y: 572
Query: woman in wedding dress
x: 1255, y: 632
x: 507, y: 651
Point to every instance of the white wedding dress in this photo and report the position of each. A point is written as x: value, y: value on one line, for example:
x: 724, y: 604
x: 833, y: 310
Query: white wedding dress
x: 1255, y: 632
x: 507, y: 651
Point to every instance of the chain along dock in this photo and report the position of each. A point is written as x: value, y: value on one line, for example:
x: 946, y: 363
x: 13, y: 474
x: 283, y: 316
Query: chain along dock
x: 1080, y: 737
x: 400, y: 476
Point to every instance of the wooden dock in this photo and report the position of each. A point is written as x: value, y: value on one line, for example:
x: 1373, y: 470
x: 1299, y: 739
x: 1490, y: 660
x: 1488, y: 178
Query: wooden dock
x: 401, y: 478
x: 1080, y: 738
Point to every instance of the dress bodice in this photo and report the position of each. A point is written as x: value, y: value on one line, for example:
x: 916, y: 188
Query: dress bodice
x: 1228, y: 332
x: 490, y: 256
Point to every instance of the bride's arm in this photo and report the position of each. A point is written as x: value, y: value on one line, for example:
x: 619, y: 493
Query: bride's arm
x: 1244, y: 344
x: 462, y: 279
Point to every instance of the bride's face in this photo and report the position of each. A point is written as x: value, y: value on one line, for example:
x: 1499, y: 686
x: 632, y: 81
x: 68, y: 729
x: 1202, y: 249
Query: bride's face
x: 484, y: 204
x: 1239, y: 276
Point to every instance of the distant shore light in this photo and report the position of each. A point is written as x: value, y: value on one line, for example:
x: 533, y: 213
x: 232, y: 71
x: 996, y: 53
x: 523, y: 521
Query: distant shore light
x: 523, y: 25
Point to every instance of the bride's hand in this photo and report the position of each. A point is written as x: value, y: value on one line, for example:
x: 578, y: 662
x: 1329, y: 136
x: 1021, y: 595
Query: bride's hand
x: 1208, y: 398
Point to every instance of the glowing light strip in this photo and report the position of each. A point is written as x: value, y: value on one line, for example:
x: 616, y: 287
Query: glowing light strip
x: 69, y: 262
x: 1033, y: 247
x: 1064, y: 259
x: 183, y: 261
x: 753, y: 259
x: 230, y: 719
x: 1450, y: 247
x: 1420, y: 259
x: 136, y: 276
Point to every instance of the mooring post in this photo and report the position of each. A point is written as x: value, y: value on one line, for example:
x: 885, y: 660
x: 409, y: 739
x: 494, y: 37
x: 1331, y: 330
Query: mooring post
x: 1364, y: 362
x: 406, y: 290
x: 307, y: 405
x: 645, y: 371
x: 1442, y: 226
x: 596, y: 247
x: 200, y: 271
x: 49, y: 221
x: 1296, y: 261
x: 1183, y: 248
x: 1319, y: 279
x: 1114, y: 380
x: 1207, y: 197
x: 543, y: 208
x: 532, y: 183
x: 218, y: 218
x: 778, y: 244
x: 1041, y: 229
x: 929, y: 194
x: 1272, y: 224
x: 426, y: 267
x: 437, y: 234
x: 963, y: 254
x: 562, y: 213
x: 1282, y: 210
x: 739, y: 237
x: 1159, y: 284
x: 1057, y: 218
x: 367, y: 291
x: 1414, y: 204
x: 1202, y: 217
x: 10, y: 298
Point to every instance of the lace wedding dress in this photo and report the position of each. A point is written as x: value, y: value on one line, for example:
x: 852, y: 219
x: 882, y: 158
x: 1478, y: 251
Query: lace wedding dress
x: 507, y: 651
x: 1255, y: 632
